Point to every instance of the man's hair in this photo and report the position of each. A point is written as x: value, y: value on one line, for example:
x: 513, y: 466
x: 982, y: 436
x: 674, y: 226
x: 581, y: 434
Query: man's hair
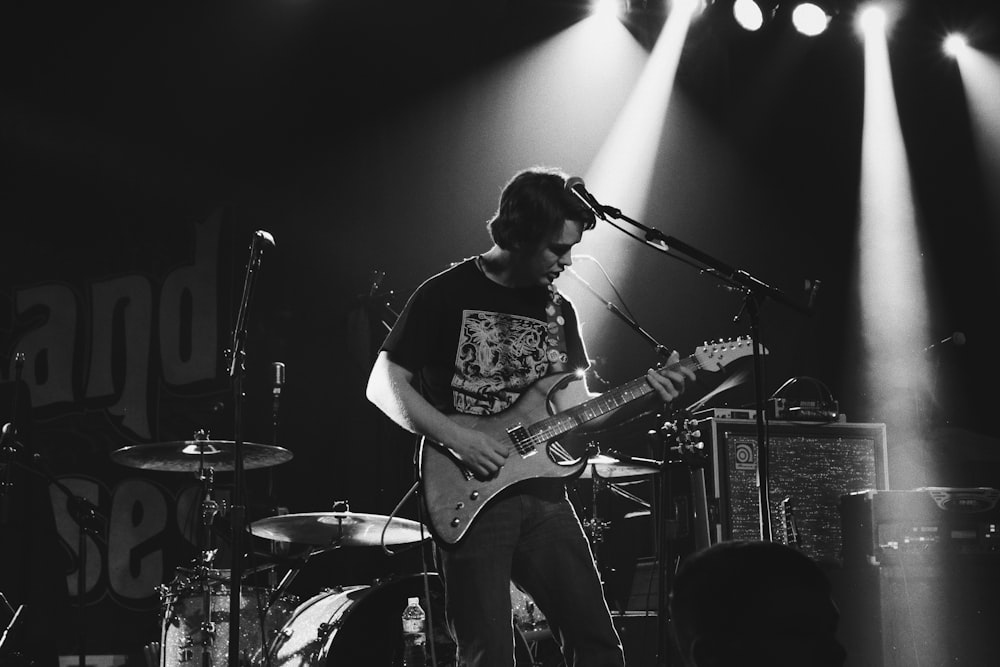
x: 534, y: 205
x: 715, y: 590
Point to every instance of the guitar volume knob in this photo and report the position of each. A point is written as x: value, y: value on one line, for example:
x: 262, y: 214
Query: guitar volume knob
x: 474, y: 495
x: 455, y: 522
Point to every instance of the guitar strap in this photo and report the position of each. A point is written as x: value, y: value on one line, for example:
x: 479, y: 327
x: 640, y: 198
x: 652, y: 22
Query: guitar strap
x: 555, y: 335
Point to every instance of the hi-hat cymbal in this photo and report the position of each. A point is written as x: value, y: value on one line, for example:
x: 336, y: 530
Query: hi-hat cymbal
x: 602, y: 465
x: 348, y: 529
x: 193, y: 455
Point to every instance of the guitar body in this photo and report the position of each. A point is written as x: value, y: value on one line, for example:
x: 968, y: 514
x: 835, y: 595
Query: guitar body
x: 454, y: 497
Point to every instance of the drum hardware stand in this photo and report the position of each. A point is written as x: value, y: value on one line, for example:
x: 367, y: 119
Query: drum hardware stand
x: 293, y: 571
x: 209, y: 508
x: 202, y: 563
x: 595, y: 526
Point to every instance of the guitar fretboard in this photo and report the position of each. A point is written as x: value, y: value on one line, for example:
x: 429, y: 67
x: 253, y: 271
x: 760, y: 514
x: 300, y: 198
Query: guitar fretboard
x: 552, y: 427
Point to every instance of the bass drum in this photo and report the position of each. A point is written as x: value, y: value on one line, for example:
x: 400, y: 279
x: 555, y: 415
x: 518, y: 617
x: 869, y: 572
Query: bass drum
x: 360, y: 625
x: 528, y: 618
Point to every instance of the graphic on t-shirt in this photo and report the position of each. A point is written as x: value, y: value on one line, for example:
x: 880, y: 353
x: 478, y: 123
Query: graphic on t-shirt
x: 499, y: 356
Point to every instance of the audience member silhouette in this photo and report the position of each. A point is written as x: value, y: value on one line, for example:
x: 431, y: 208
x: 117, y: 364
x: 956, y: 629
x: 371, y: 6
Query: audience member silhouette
x: 754, y: 603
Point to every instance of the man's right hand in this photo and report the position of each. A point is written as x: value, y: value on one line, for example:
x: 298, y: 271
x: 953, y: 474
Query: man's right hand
x: 483, y: 455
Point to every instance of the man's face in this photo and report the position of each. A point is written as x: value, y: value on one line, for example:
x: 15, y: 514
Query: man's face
x: 542, y: 264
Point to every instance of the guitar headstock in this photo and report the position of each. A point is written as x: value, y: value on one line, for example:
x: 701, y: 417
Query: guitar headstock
x: 713, y: 356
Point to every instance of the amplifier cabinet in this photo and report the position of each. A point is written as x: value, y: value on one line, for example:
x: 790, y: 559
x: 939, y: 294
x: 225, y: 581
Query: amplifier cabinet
x: 923, y: 568
x: 811, y: 465
x: 884, y: 527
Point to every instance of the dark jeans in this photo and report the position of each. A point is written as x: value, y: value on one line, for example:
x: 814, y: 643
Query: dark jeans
x: 533, y: 538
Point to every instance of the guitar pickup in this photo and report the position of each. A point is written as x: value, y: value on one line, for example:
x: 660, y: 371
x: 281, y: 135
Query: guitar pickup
x: 522, y: 440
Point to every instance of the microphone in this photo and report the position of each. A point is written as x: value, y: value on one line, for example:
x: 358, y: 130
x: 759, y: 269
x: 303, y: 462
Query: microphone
x: 576, y: 185
x: 258, y: 242
x: 278, y: 375
x: 264, y: 236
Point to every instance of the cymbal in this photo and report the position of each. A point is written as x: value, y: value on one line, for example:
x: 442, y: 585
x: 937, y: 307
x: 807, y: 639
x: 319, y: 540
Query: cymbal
x: 602, y: 466
x: 348, y: 529
x: 193, y: 455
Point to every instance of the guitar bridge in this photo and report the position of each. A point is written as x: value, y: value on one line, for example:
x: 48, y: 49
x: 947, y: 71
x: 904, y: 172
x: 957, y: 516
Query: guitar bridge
x: 522, y: 441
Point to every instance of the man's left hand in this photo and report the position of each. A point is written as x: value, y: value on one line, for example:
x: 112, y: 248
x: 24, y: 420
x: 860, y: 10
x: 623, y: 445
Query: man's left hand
x: 669, y: 380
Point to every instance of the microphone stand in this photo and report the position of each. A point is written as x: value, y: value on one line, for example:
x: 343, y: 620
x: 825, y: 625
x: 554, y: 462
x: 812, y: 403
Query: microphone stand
x: 615, y: 310
x: 237, y: 514
x: 662, y: 553
x: 90, y: 520
x: 9, y: 443
x: 755, y: 291
x: 81, y: 509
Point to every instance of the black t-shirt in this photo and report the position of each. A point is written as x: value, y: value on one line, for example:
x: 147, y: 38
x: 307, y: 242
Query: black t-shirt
x: 476, y: 345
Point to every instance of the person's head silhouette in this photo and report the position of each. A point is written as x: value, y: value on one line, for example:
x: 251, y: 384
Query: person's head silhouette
x: 754, y: 603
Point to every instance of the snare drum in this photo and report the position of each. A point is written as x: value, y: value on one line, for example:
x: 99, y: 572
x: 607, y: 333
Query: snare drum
x: 189, y: 633
x: 360, y: 625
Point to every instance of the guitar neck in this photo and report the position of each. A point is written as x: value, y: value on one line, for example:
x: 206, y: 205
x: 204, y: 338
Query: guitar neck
x: 599, y: 406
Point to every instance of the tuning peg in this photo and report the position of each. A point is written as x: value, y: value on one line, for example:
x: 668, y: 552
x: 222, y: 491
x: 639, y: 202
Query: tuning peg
x: 688, y: 448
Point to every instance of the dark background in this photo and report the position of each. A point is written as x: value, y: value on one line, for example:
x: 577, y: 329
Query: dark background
x: 373, y: 137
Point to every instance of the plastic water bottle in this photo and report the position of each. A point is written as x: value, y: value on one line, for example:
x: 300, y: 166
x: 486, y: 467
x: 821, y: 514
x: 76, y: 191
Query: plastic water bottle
x: 414, y: 639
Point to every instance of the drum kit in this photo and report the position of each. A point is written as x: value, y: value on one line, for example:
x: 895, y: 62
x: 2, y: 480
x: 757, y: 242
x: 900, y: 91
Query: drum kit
x: 274, y: 630
x: 345, y: 625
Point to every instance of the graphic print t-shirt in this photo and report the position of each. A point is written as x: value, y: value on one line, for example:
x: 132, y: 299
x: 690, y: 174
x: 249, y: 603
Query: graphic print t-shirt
x: 476, y: 345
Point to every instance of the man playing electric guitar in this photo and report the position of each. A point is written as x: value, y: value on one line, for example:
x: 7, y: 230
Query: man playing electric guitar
x: 490, y: 337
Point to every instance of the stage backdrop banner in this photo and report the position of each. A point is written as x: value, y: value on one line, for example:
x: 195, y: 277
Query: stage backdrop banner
x: 123, y: 343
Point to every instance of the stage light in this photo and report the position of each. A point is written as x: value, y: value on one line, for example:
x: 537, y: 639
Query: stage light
x: 955, y: 44
x: 872, y: 20
x: 810, y: 19
x: 690, y: 7
x: 753, y: 15
x: 610, y: 9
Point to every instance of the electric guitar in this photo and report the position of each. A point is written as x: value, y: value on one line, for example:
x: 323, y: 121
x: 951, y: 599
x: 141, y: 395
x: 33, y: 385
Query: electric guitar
x: 454, y: 496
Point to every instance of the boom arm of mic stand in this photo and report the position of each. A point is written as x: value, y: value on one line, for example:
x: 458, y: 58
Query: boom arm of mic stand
x: 756, y: 290
x: 615, y: 310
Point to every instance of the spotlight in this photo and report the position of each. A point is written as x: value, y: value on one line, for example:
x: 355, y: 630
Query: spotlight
x: 955, y: 44
x: 752, y: 15
x: 872, y: 20
x: 692, y: 7
x: 811, y: 18
x: 610, y: 9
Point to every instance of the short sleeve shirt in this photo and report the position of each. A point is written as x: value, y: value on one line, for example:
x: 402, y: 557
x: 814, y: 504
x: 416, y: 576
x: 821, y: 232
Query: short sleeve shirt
x: 476, y: 345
